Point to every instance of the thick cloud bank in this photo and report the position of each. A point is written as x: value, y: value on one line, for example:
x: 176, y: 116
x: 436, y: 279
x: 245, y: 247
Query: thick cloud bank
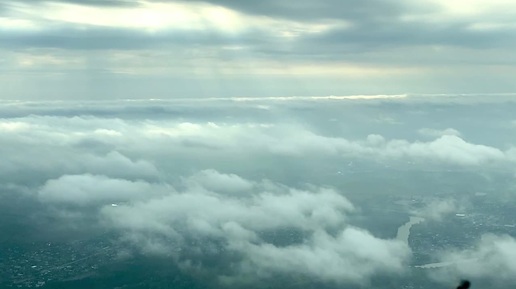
x: 255, y: 228
x: 236, y: 216
x: 140, y: 148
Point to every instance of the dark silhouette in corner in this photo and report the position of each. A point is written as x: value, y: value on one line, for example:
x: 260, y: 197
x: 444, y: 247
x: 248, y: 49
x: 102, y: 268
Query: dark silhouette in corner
x: 464, y: 284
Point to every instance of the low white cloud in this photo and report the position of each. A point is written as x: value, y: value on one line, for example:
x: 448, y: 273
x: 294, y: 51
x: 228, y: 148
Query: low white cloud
x: 141, y: 148
x: 205, y: 211
x: 215, y: 181
x: 54, y: 146
x: 88, y: 189
x: 430, y: 132
x: 351, y: 255
x: 449, y: 149
x: 438, y: 209
x: 493, y: 257
x: 203, y: 215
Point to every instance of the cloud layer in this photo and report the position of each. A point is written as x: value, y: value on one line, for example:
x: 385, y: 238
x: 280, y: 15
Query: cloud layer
x: 220, y: 221
x: 246, y: 189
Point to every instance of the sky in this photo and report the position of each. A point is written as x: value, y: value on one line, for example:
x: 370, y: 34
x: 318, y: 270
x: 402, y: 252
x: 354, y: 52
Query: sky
x: 144, y: 49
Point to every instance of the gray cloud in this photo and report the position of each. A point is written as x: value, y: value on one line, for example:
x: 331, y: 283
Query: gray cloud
x: 369, y: 10
x: 104, y: 38
x: 100, y: 3
x: 398, y: 34
x: 257, y: 49
x: 376, y: 25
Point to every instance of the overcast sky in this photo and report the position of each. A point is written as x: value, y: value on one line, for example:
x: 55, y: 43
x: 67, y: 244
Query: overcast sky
x: 169, y: 49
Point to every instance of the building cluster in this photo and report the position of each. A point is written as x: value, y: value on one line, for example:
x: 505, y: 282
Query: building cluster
x: 34, y: 265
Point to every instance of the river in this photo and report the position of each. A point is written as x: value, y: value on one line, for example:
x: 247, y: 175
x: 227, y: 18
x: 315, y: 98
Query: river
x: 404, y: 230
